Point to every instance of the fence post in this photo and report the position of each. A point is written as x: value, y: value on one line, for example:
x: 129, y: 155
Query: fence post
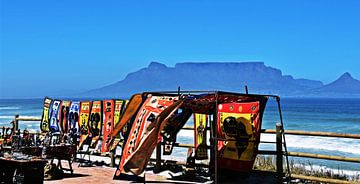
x: 279, y: 153
x: 16, y: 122
x: 158, y: 157
x: 112, y: 158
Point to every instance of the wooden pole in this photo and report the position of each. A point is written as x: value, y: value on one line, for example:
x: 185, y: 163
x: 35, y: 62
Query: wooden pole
x: 279, y: 153
x: 212, y: 151
x: 16, y: 122
x: 158, y: 157
x: 215, y: 137
x: 283, y: 137
x: 112, y: 159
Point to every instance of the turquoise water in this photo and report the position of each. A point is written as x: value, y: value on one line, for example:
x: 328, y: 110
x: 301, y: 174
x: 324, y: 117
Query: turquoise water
x: 328, y: 115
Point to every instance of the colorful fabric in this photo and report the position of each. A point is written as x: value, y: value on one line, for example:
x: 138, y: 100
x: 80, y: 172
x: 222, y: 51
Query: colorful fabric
x: 95, y: 122
x: 84, y: 121
x: 108, y: 112
x: 73, y: 118
x: 45, y: 120
x: 130, y: 111
x: 200, y: 124
x: 171, y: 129
x: 64, y: 113
x: 54, y: 116
x: 125, y: 130
x: 206, y: 103
x: 240, y: 123
x: 136, y: 162
x: 143, y: 123
x: 119, y: 108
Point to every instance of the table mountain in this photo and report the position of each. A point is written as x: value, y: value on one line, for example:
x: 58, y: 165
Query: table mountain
x: 231, y: 76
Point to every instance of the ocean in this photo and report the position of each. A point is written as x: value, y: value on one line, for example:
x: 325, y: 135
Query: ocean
x: 308, y: 114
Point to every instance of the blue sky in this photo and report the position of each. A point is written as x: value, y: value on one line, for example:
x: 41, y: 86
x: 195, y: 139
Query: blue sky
x: 48, y: 47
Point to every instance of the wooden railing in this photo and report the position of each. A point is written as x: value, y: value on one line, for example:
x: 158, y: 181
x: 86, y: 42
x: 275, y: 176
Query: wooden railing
x: 279, y: 153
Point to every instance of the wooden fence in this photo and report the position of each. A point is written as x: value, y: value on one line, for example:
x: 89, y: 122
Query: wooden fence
x: 279, y: 152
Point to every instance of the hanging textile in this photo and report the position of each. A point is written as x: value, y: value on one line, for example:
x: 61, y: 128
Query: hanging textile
x: 200, y: 124
x: 45, y: 120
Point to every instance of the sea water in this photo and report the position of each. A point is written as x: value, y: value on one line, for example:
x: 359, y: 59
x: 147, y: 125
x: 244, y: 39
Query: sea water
x: 308, y: 114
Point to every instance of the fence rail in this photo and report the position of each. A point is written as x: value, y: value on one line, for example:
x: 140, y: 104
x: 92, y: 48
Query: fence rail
x: 278, y: 152
x: 319, y: 134
x: 326, y: 157
x: 27, y: 119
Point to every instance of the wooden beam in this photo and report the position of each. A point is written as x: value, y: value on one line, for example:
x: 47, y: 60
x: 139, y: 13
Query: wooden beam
x: 326, y: 157
x: 192, y: 128
x: 266, y: 152
x: 27, y: 119
x: 175, y: 162
x: 322, y: 134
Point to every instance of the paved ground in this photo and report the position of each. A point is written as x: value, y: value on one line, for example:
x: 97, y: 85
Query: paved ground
x: 103, y: 174
x: 87, y: 175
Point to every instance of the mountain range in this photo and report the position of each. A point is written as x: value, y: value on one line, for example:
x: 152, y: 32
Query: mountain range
x: 231, y: 76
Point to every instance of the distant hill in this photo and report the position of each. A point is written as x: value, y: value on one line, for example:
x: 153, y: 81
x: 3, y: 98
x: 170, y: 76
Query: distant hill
x: 344, y: 85
x: 224, y: 76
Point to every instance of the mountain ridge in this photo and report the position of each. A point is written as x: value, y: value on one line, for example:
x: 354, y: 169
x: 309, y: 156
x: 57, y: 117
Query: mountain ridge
x: 344, y: 85
x: 229, y: 76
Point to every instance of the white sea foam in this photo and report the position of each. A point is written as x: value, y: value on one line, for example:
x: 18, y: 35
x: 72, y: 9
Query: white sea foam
x: 7, y: 117
x: 12, y: 117
x: 32, y: 130
x: 319, y: 143
x: 9, y: 108
x: 186, y: 133
x: 351, y: 146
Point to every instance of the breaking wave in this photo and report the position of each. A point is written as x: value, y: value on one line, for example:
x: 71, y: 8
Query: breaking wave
x: 12, y: 117
x: 9, y: 108
x: 351, y: 146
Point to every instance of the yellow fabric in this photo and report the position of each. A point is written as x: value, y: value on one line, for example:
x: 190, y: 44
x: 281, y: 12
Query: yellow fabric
x: 84, y: 121
x: 45, y: 123
x: 117, y: 112
x: 230, y: 150
x: 200, y: 121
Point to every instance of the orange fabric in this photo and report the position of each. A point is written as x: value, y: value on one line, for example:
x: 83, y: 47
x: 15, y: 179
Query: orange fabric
x: 129, y: 112
x: 138, y: 160
x: 108, y: 124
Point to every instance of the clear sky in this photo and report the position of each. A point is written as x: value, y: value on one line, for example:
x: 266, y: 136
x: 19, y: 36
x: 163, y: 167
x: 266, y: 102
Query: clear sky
x: 47, y: 47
